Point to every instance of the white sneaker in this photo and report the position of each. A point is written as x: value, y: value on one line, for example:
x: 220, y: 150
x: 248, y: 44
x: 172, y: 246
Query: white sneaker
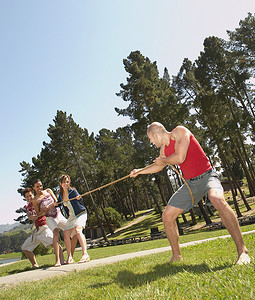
x: 243, y: 259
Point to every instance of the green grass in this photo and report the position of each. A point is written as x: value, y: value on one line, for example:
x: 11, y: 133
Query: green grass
x: 140, y: 229
x: 207, y: 272
x: 96, y: 253
x: 10, y: 255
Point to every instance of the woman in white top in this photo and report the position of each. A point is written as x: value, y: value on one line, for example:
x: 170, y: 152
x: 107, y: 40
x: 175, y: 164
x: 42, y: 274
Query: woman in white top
x: 77, y: 217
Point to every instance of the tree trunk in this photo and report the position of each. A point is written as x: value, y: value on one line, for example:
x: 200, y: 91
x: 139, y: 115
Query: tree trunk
x: 161, y: 191
x: 168, y: 183
x: 180, y: 230
x: 208, y: 208
x: 131, y: 203
x: 248, y: 173
x: 242, y: 194
x: 227, y: 169
x: 184, y: 219
x: 133, y: 194
x: 124, y: 209
x: 107, y: 221
x: 153, y: 196
x: 204, y: 213
x: 92, y: 200
x: 146, y: 197
x: 193, y: 217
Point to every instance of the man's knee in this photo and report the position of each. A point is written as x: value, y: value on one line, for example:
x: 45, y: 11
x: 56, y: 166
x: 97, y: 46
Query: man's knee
x: 170, y: 214
x: 217, y: 199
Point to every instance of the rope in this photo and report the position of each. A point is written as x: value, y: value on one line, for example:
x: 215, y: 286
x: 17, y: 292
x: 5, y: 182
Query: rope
x: 184, y: 180
x: 122, y: 178
x: 110, y: 183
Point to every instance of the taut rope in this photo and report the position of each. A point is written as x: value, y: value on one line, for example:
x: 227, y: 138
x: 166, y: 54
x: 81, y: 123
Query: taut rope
x: 184, y: 180
x: 122, y: 178
x: 103, y: 186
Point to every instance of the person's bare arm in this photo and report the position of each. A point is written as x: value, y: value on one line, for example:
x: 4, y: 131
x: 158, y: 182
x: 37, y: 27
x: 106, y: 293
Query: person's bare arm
x: 52, y: 194
x: 54, y: 198
x: 36, y: 207
x: 150, y: 170
x: 32, y: 218
x: 181, y: 135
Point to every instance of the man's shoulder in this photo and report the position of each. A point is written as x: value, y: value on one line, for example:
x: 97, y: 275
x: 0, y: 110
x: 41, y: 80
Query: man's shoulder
x: 180, y: 131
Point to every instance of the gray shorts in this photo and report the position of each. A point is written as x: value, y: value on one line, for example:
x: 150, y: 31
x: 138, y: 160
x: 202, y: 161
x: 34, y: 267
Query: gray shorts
x: 199, y: 186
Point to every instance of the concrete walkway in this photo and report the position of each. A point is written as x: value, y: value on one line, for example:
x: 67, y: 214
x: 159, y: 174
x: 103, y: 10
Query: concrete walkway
x: 38, y: 274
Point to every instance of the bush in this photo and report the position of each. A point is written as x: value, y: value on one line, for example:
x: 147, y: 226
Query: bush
x: 113, y: 216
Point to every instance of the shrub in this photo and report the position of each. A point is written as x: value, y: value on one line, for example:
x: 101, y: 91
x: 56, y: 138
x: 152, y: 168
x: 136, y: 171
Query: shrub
x: 113, y: 216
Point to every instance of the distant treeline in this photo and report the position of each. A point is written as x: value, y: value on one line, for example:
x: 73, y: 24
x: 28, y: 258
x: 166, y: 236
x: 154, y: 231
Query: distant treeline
x: 12, y: 243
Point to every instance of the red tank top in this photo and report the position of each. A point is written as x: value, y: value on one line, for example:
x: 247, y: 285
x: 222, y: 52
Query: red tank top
x: 196, y: 162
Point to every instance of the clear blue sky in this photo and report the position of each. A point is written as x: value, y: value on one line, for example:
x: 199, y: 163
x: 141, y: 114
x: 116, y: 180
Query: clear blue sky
x: 67, y: 55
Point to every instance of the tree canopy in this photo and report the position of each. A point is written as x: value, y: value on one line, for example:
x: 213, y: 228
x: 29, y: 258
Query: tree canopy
x: 213, y: 96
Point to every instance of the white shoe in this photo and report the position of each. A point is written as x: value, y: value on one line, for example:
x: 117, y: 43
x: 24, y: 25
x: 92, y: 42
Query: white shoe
x: 243, y: 259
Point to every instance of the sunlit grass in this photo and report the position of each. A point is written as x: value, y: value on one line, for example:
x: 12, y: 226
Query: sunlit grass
x: 96, y: 253
x: 10, y: 255
x: 207, y: 272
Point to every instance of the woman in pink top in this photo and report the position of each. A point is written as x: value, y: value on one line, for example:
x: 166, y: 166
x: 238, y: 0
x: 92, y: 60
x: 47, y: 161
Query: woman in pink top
x: 44, y: 204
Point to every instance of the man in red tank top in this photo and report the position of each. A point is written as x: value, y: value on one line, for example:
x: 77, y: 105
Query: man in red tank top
x: 180, y: 147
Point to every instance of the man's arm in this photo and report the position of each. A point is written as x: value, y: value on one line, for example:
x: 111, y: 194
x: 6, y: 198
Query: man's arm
x: 151, y: 169
x: 181, y: 135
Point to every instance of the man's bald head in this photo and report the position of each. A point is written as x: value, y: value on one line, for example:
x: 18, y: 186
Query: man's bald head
x: 156, y: 128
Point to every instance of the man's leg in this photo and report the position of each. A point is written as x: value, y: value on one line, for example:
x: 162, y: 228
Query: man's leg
x: 30, y: 255
x: 169, y: 219
x: 230, y: 221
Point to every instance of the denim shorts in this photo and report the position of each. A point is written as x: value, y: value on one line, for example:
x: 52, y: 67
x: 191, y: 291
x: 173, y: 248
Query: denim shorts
x: 199, y: 186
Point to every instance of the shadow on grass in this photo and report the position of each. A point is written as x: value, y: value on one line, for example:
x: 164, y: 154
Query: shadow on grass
x: 128, y: 278
x: 15, y: 271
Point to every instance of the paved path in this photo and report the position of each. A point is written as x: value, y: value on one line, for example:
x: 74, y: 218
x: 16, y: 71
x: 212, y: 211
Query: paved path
x: 34, y: 275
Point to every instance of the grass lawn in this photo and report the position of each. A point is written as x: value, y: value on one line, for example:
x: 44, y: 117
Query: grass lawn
x: 10, y: 255
x: 207, y: 272
x: 49, y: 260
